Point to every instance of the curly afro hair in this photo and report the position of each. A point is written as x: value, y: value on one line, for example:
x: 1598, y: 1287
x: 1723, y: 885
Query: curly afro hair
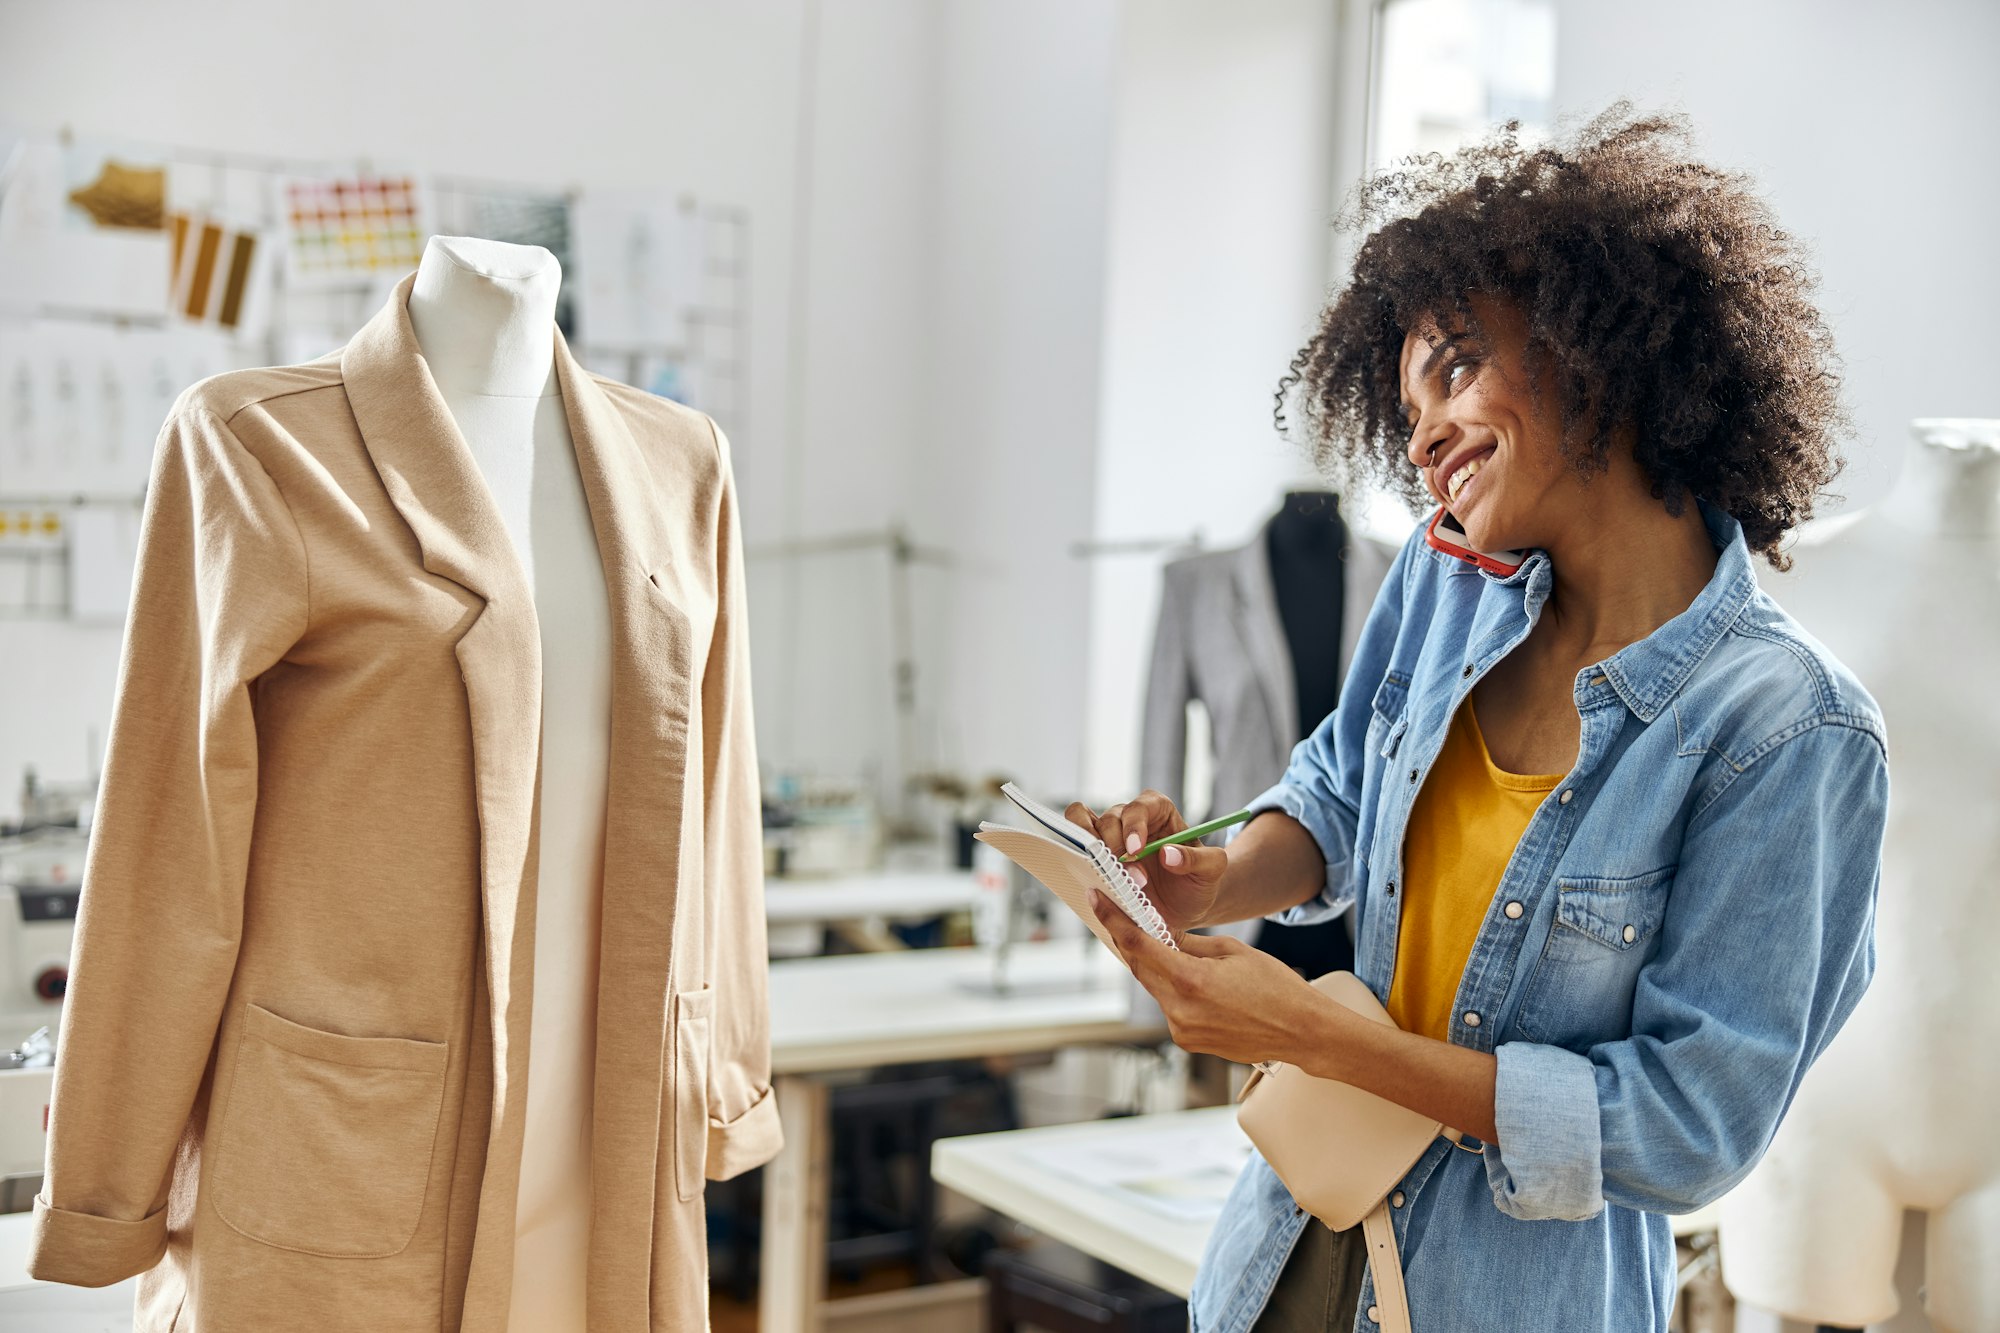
x: 1659, y: 296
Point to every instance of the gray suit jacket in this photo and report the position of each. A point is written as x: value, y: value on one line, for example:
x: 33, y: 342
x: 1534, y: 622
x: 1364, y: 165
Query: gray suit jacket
x: 1220, y: 640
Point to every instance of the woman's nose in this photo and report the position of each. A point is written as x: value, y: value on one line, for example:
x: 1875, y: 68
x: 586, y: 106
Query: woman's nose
x: 1425, y: 437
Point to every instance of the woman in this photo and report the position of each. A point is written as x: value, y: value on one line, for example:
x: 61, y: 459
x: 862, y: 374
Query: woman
x: 1610, y: 825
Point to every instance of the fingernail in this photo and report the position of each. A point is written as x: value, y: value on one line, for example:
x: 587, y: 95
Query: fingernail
x: 1133, y: 842
x: 1172, y: 856
x: 1138, y: 877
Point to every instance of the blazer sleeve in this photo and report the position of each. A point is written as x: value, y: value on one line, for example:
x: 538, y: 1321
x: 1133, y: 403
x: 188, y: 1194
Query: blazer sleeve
x: 1169, y: 686
x: 743, y: 1129
x: 219, y: 596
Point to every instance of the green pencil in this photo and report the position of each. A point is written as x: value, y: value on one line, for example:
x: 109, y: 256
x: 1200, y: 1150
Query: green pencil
x: 1185, y: 835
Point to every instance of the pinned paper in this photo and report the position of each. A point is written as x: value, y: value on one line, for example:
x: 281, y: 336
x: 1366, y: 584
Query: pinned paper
x: 74, y: 233
x: 220, y: 274
x: 643, y: 261
x: 125, y: 196
x: 343, y: 229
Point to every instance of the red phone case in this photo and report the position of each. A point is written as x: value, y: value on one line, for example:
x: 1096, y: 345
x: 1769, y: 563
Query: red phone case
x: 1466, y: 553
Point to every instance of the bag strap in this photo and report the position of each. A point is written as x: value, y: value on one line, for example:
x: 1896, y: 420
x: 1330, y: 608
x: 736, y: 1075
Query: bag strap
x: 1392, y: 1303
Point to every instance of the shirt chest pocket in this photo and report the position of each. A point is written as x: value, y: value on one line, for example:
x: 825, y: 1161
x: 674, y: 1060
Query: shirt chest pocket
x: 1389, y: 715
x: 1605, y: 931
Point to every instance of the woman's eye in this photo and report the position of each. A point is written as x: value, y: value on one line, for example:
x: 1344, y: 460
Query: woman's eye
x: 1452, y: 380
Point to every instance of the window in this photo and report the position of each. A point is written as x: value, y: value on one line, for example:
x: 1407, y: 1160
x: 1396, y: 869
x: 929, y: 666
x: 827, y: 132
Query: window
x: 1446, y: 71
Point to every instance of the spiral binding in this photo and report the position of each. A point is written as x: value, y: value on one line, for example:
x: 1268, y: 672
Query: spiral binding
x: 1125, y: 891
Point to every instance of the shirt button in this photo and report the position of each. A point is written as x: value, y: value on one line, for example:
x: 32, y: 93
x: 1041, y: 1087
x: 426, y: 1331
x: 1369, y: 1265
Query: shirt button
x: 1472, y: 1016
x: 1467, y: 673
x: 1565, y: 797
x: 1513, y: 911
x: 1374, y: 1314
x: 1630, y: 934
x: 1396, y: 1199
x: 1598, y: 680
x: 1413, y: 775
x: 1390, y: 888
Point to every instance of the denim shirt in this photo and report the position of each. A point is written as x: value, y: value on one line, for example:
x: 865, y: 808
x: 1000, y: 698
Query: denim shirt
x: 1686, y: 923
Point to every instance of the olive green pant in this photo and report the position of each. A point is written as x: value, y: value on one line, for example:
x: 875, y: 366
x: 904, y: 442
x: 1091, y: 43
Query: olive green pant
x: 1320, y: 1287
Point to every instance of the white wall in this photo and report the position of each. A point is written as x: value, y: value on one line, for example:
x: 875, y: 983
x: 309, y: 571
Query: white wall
x: 1874, y: 129
x: 1219, y: 212
x: 1003, y: 472
x: 954, y: 187
x: 856, y: 324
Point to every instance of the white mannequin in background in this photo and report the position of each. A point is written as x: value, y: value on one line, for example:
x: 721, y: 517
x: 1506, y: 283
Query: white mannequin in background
x: 484, y: 314
x: 1896, y: 1113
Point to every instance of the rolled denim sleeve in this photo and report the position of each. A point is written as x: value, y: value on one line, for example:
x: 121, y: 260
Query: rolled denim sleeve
x: 1767, y: 946
x: 1321, y: 786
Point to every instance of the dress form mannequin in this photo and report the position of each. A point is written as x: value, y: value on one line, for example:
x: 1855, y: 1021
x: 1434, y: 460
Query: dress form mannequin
x: 1894, y: 1114
x: 1307, y: 544
x: 484, y: 314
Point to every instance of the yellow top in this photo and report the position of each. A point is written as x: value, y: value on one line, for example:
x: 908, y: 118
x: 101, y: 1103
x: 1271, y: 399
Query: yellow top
x: 1463, y: 829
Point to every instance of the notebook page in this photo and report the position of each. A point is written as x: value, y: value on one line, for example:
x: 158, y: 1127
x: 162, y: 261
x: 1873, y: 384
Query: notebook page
x: 1096, y: 860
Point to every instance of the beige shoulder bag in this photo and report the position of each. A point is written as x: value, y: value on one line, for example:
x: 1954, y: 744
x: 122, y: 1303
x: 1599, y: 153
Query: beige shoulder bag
x: 1340, y: 1151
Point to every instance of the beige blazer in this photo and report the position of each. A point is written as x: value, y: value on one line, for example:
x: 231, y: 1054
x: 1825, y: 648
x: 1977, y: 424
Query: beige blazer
x: 291, y: 1083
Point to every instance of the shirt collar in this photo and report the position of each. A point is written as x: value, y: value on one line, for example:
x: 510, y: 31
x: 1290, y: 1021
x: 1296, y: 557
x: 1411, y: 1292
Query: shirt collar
x: 1649, y: 673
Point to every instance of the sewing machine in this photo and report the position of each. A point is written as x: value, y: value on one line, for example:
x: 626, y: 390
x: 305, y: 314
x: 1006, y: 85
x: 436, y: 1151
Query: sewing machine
x: 41, y: 880
x: 1011, y: 909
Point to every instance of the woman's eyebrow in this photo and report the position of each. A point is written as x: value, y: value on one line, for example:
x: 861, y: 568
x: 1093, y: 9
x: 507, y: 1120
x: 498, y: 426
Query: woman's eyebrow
x: 1438, y: 349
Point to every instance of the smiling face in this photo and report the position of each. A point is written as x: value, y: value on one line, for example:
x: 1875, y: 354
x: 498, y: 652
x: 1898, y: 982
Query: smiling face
x: 1488, y: 444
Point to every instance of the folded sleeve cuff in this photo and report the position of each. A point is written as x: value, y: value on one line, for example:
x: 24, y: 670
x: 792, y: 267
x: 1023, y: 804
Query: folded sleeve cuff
x: 1328, y: 902
x: 1549, y: 1162
x: 85, y: 1250
x: 751, y: 1139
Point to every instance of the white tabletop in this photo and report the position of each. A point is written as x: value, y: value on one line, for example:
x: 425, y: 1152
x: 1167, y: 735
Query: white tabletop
x: 15, y: 1228
x: 892, y: 894
x: 1005, y: 1172
x: 1013, y: 1172
x: 854, y: 1011
x: 28, y: 1306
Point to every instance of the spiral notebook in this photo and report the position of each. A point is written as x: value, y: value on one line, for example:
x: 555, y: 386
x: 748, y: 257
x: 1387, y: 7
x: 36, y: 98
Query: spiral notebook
x: 1068, y: 859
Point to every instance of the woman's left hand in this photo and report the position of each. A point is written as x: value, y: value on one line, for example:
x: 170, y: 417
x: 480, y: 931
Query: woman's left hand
x: 1220, y: 996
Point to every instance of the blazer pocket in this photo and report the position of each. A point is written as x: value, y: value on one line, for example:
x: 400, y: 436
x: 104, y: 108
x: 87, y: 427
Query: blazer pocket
x: 692, y: 1022
x: 325, y: 1141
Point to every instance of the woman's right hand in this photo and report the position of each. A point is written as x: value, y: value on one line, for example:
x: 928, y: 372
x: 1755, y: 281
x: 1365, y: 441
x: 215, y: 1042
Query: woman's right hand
x: 1182, y: 882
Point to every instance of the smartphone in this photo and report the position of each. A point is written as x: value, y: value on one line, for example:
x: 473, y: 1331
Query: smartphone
x: 1445, y: 535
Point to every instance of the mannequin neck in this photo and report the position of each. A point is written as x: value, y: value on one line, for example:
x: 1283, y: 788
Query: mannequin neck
x: 1950, y: 484
x: 1307, y: 521
x: 484, y: 315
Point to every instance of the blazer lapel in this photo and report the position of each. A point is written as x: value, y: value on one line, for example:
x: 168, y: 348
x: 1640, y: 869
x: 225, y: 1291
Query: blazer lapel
x: 1263, y: 631
x: 647, y: 531
x: 435, y: 484
x: 646, y: 535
